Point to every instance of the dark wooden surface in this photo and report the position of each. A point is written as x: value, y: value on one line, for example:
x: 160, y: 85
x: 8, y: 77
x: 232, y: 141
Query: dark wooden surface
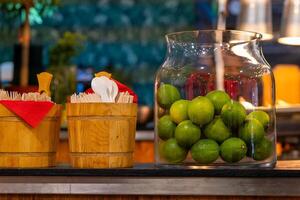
x: 64, y: 183
x: 118, y: 197
x: 283, y: 169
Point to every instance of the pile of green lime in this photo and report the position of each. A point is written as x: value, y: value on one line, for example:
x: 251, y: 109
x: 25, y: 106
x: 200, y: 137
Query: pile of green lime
x: 208, y: 127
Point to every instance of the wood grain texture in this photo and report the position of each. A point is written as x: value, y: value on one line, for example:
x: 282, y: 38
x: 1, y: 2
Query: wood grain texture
x: 63, y: 153
x: 143, y: 152
x: 24, y: 146
x: 124, y: 197
x: 109, y: 160
x: 101, y: 109
x: 288, y: 164
x: 101, y: 135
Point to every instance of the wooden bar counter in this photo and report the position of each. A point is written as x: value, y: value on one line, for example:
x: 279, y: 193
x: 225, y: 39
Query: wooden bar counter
x: 145, y: 181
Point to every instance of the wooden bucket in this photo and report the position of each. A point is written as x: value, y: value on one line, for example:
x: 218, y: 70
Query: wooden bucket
x: 22, y: 146
x: 101, y: 135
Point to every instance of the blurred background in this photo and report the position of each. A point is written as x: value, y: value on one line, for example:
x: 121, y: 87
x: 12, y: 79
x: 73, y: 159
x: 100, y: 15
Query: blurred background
x: 126, y: 38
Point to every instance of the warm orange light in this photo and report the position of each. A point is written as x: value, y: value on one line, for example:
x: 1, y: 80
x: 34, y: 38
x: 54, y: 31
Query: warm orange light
x: 287, y: 81
x: 279, y: 149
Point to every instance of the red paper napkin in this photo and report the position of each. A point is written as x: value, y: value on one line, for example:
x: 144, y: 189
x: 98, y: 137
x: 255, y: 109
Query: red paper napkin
x: 32, y: 112
x: 122, y: 88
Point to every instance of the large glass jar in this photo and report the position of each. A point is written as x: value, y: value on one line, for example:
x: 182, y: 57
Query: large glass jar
x: 214, y: 101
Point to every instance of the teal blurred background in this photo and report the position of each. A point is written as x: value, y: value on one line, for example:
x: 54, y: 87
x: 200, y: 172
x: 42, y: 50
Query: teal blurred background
x: 124, y: 37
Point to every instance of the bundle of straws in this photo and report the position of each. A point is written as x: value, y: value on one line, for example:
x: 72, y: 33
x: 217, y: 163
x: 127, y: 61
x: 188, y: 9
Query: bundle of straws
x: 16, y: 96
x: 122, y: 97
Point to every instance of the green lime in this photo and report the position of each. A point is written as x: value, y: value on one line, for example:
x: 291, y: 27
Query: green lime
x: 217, y: 130
x: 178, y: 111
x: 165, y: 127
x: 172, y: 152
x: 205, y: 151
x: 201, y: 110
x: 233, y: 150
x: 187, y: 133
x: 166, y: 95
x: 262, y: 150
x: 261, y: 116
x: 252, y: 131
x: 233, y: 114
x: 218, y: 98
